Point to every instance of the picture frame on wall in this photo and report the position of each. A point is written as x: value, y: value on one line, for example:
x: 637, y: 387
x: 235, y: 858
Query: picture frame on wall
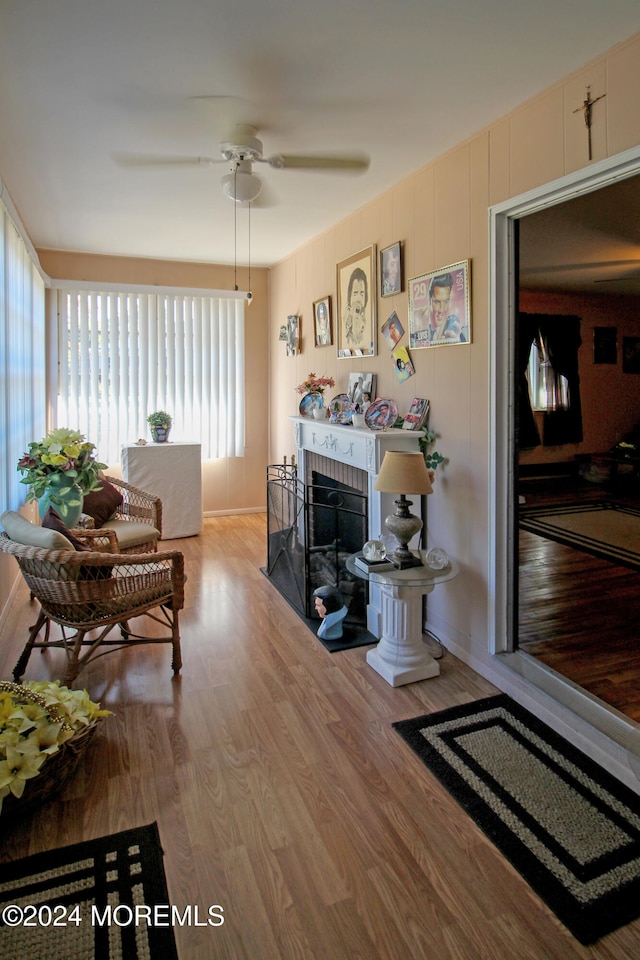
x: 605, y: 345
x: 391, y: 270
x: 356, y: 310
x: 293, y: 335
x: 322, y: 322
x: 440, y: 307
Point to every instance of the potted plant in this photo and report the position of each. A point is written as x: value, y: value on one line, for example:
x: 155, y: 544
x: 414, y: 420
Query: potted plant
x: 59, y: 470
x: 160, y: 423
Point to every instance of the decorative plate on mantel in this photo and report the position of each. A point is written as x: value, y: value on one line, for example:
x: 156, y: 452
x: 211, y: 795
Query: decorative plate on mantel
x: 341, y: 409
x: 381, y: 414
x: 309, y: 403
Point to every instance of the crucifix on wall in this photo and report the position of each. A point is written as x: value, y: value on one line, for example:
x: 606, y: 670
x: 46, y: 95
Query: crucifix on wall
x: 586, y: 109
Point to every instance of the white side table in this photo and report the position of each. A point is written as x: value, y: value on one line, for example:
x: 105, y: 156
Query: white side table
x: 173, y: 472
x: 401, y: 655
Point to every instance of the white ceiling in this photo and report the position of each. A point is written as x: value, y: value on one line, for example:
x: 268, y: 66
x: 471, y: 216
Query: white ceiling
x: 82, y: 82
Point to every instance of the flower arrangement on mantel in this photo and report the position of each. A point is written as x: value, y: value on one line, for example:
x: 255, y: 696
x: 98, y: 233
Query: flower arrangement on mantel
x: 36, y: 719
x: 62, y: 451
x: 315, y: 384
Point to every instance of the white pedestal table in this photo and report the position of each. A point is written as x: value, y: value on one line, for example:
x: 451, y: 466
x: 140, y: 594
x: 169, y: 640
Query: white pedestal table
x: 401, y: 656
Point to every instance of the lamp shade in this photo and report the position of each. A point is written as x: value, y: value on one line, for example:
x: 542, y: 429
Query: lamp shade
x: 403, y: 473
x: 242, y: 187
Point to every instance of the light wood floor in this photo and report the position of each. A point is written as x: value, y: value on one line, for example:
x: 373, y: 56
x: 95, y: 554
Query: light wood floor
x: 281, y: 791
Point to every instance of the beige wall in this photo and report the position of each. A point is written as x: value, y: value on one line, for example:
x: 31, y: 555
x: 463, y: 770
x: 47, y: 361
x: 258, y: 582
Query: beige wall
x: 441, y: 215
x: 229, y: 485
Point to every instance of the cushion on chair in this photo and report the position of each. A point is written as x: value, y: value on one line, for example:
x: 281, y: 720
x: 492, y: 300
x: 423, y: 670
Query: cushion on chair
x: 131, y: 533
x: 29, y: 535
x: 54, y: 521
x: 102, y: 504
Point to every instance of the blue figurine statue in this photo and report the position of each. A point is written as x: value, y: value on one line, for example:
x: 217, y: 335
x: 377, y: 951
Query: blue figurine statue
x: 330, y: 605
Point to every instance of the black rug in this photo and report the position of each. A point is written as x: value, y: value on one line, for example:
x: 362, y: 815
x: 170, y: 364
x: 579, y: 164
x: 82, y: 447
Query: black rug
x: 79, y: 902
x: 570, y: 829
x: 604, y: 529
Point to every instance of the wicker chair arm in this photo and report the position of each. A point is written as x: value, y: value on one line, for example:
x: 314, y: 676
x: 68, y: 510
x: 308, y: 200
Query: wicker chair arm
x: 137, y: 504
x: 103, y: 540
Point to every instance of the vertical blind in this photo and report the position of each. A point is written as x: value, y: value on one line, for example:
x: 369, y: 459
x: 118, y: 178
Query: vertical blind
x: 123, y: 355
x: 22, y: 358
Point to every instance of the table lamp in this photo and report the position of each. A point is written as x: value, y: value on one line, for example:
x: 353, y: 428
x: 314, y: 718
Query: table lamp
x: 403, y: 473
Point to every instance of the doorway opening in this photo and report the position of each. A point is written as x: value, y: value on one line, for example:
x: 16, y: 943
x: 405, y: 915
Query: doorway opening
x: 514, y: 280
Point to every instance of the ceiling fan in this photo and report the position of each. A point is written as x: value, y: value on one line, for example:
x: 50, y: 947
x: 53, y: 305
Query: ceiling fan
x: 241, y: 151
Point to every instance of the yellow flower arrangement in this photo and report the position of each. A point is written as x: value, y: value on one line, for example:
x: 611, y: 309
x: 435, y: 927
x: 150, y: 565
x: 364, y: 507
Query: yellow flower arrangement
x: 36, y: 718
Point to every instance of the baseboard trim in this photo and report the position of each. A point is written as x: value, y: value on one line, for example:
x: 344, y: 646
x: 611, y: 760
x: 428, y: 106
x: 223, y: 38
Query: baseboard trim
x: 234, y: 512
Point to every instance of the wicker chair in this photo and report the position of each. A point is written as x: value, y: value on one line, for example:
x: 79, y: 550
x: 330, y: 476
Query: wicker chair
x: 137, y: 522
x: 89, y: 593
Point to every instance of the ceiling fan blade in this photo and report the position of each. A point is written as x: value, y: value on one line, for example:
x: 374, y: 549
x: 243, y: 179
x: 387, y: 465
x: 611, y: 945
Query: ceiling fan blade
x: 155, y: 160
x: 353, y: 163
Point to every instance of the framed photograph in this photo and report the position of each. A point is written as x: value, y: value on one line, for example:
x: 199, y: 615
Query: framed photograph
x: 322, y: 322
x: 605, y: 345
x: 631, y: 354
x: 356, y: 316
x: 392, y: 331
x: 402, y: 364
x: 362, y: 388
x: 417, y: 415
x: 293, y: 335
x: 391, y: 270
x: 440, y: 307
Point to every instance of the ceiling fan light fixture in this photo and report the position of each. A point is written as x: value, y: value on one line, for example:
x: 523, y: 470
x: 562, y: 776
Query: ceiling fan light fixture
x: 242, y: 187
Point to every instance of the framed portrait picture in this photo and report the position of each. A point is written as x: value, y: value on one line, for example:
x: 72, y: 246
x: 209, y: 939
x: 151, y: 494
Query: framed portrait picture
x: 392, y: 331
x: 605, y: 345
x: 293, y: 335
x: 391, y: 270
x: 356, y: 313
x: 362, y: 389
x: 440, y: 307
x: 322, y: 322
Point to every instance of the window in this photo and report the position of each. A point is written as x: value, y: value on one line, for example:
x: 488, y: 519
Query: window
x: 548, y: 390
x: 124, y: 354
x: 22, y: 356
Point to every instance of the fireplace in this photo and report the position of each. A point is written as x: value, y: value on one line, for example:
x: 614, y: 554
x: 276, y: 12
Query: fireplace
x: 312, y: 529
x: 349, y: 456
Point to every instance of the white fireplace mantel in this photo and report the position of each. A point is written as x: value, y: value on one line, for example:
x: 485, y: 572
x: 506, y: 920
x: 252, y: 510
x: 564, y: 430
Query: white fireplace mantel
x: 358, y: 447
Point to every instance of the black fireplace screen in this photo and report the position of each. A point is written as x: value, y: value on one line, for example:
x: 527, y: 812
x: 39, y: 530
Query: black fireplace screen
x: 312, y: 529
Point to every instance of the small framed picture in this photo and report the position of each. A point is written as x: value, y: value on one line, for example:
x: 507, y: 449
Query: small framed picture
x: 440, y: 307
x: 631, y: 354
x: 392, y: 331
x: 391, y: 270
x: 605, y: 345
x: 362, y: 389
x: 356, y: 315
x: 417, y: 415
x: 402, y: 364
x: 293, y: 335
x: 322, y: 322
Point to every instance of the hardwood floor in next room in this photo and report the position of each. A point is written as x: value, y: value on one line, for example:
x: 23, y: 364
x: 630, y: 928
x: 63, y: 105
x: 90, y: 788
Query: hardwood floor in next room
x: 579, y: 614
x: 281, y: 790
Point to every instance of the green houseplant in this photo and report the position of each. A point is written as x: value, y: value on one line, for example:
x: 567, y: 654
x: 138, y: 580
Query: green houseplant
x: 59, y: 470
x: 160, y: 423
